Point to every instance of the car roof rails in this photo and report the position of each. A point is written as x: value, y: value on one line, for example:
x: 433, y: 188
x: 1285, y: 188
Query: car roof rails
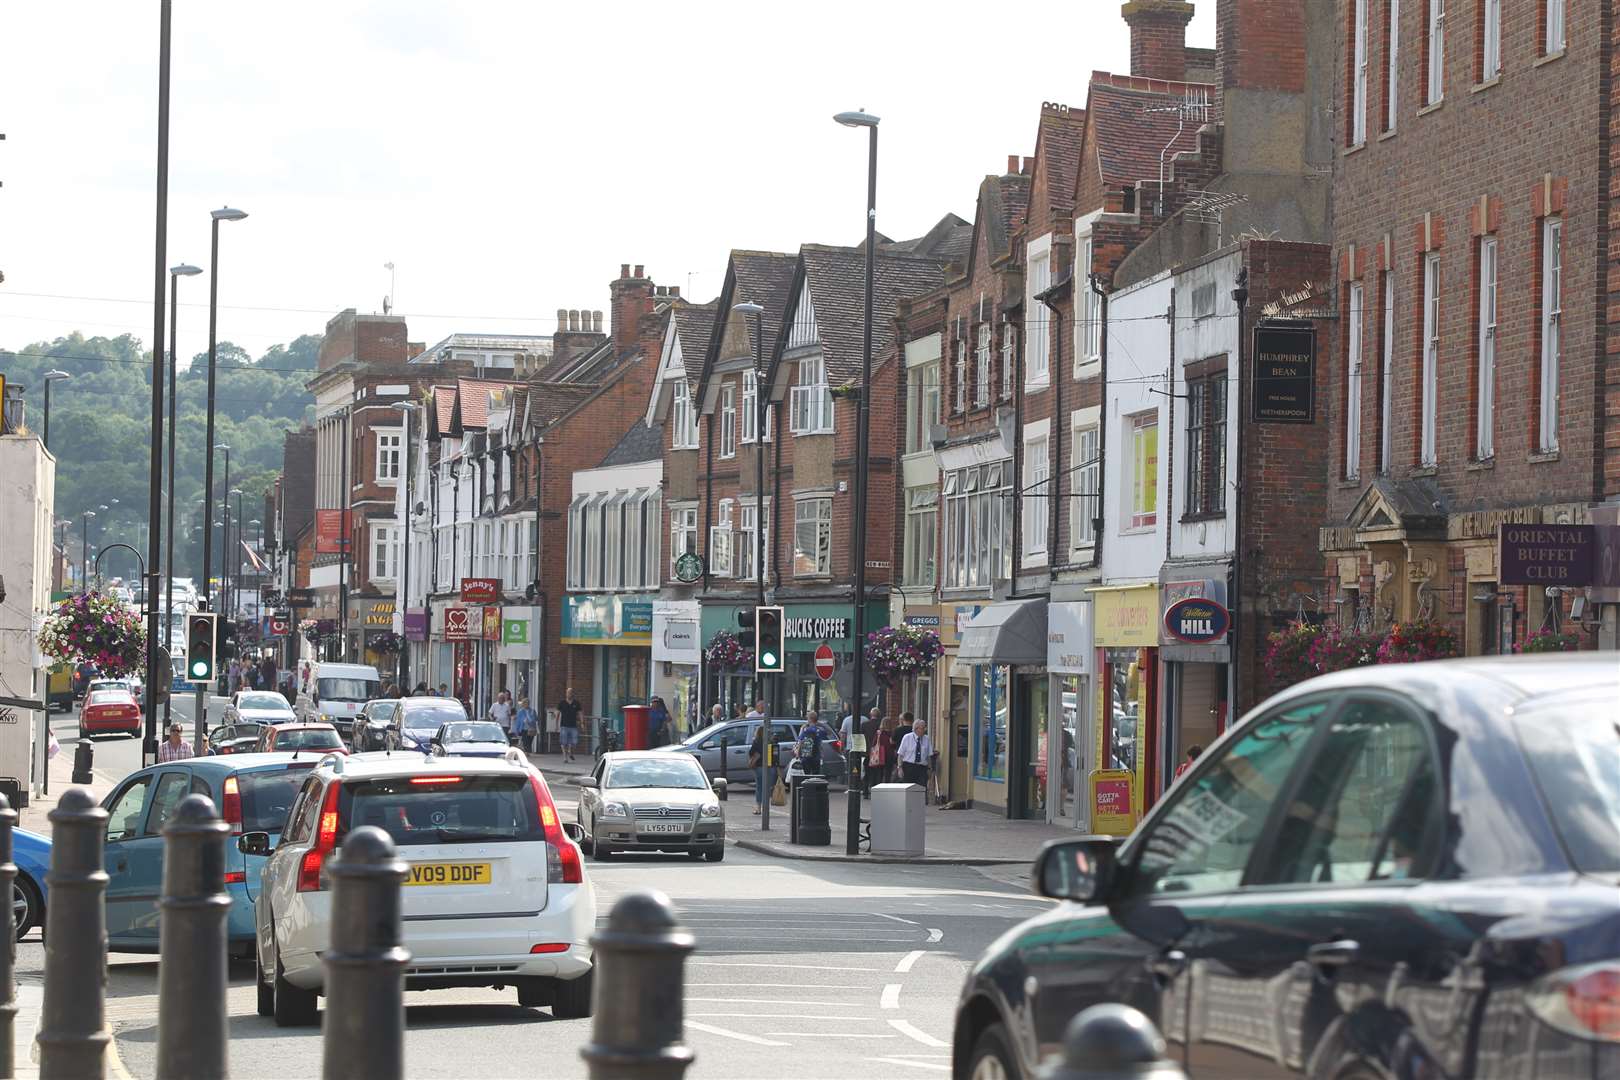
x: 514, y: 756
x: 335, y: 759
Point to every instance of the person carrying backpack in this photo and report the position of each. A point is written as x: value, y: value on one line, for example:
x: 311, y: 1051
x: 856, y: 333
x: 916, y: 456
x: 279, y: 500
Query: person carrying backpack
x: 808, y: 749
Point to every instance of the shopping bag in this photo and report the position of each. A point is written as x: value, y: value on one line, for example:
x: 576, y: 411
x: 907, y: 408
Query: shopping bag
x: 779, y: 794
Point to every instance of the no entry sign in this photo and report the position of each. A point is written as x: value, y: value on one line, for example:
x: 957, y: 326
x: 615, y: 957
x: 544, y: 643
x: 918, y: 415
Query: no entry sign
x: 826, y: 663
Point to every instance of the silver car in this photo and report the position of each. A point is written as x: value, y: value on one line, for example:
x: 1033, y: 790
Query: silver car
x: 643, y: 800
x: 263, y: 707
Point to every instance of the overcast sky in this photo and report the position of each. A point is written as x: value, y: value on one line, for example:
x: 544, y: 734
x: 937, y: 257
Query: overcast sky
x: 506, y: 157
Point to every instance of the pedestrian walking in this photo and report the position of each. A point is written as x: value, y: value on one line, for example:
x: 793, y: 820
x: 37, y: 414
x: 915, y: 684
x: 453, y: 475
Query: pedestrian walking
x: 501, y: 713
x: 662, y: 730
x: 811, y: 736
x: 916, y: 751
x: 568, y: 711
x: 873, y: 769
x: 524, y: 725
x: 267, y: 672
x: 175, y: 747
x: 1192, y: 755
x: 717, y: 714
x: 421, y: 690
x: 444, y: 689
x: 756, y: 761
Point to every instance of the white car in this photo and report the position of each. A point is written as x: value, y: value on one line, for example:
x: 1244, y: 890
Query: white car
x: 497, y: 894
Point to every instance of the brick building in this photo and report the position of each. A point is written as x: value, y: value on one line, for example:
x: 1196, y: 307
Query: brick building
x: 1474, y: 376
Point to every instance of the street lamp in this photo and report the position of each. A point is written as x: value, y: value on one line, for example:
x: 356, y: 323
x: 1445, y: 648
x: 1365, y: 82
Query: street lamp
x: 233, y: 568
x: 208, y: 501
x: 862, y: 456
x: 175, y: 274
x: 757, y: 311
x: 84, y: 551
x: 403, y: 590
x: 50, y: 377
x: 222, y: 214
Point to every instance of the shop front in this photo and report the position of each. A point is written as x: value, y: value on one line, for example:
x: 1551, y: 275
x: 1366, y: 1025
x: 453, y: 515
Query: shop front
x: 1071, y: 666
x: 619, y: 630
x: 1125, y: 631
x: 806, y: 627
x: 519, y: 651
x: 1195, y: 657
x: 955, y: 740
x: 1005, y: 645
x: 677, y: 658
x: 372, y: 637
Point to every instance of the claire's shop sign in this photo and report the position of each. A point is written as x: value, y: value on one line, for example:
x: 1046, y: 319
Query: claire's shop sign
x: 1197, y: 621
x: 1545, y: 554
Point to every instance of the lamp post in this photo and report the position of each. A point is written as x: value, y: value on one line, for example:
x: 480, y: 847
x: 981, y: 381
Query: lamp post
x: 757, y: 311
x: 50, y: 377
x: 154, y: 485
x: 208, y: 511
x: 222, y: 214
x: 403, y: 590
x: 863, y: 119
x: 233, y: 568
x: 175, y: 274
x: 84, y: 551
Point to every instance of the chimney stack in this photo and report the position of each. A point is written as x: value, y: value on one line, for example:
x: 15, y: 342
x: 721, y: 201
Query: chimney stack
x: 639, y: 268
x: 1158, y: 37
x: 624, y: 270
x: 632, y: 299
x: 562, y: 320
x: 596, y: 322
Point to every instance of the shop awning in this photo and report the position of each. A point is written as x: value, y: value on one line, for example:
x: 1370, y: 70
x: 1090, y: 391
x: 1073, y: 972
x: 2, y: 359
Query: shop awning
x: 1010, y: 632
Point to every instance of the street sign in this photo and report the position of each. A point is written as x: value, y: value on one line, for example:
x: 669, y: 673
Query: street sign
x: 1197, y: 621
x: 689, y: 567
x: 480, y: 590
x: 301, y: 598
x: 1285, y: 372
x: 826, y: 662
x: 459, y: 624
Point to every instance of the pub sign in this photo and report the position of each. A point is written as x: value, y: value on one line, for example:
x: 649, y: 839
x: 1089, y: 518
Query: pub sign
x: 1285, y: 372
x: 1546, y: 554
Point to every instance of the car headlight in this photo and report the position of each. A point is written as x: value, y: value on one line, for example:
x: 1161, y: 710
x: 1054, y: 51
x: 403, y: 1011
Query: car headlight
x: 615, y: 809
x: 711, y: 810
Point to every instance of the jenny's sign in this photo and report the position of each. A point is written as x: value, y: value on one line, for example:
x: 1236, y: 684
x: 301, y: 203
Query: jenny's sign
x: 1285, y: 373
x: 1545, y: 554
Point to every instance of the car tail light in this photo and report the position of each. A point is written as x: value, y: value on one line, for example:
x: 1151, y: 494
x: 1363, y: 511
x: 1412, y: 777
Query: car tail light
x: 236, y: 877
x: 1582, y: 1001
x: 232, y: 810
x: 309, y: 870
x: 567, y: 869
x: 550, y: 946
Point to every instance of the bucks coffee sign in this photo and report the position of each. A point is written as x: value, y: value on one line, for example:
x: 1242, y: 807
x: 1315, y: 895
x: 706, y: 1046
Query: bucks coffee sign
x: 1285, y: 372
x: 1197, y: 621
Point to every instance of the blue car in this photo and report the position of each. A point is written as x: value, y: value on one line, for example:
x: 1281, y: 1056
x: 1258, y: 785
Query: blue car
x: 32, y: 854
x: 253, y: 793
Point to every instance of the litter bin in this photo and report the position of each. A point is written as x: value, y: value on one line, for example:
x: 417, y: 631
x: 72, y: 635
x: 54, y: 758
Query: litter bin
x: 897, y: 819
x: 813, y: 829
x: 637, y: 726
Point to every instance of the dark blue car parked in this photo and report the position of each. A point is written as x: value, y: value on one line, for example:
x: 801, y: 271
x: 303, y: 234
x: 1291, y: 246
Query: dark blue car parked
x: 253, y: 793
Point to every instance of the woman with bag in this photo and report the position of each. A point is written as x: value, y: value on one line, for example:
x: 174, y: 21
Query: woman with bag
x: 756, y: 761
x: 880, y: 754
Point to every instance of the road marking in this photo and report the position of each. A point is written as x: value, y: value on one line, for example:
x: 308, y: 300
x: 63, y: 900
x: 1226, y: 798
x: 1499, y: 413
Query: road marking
x: 891, y: 996
x: 896, y: 918
x: 761, y: 1001
x: 935, y: 936
x: 933, y: 1065
x: 906, y: 961
x: 792, y: 1015
x: 921, y: 1036
x: 828, y: 1035
x: 777, y: 986
x: 752, y: 964
x: 729, y: 1034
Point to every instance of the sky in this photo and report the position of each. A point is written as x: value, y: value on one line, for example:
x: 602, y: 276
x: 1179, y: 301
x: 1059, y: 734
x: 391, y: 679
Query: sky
x: 505, y: 157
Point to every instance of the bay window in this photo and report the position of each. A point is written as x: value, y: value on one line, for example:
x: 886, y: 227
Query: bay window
x: 922, y: 512
x: 812, y: 538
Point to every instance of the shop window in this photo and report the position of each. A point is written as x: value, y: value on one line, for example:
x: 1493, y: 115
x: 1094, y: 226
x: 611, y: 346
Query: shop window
x: 992, y: 700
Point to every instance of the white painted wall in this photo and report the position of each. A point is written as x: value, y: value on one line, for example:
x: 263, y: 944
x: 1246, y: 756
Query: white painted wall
x: 1138, y: 365
x: 1199, y: 339
x: 27, y: 508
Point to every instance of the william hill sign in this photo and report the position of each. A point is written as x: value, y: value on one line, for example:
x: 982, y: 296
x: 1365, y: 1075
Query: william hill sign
x: 1197, y: 621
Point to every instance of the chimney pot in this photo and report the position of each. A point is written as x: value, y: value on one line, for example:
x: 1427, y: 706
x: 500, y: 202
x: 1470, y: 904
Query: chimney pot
x: 562, y: 320
x: 639, y: 269
x: 573, y: 321
x: 1012, y: 164
x: 596, y: 322
x: 674, y: 290
x: 624, y: 270
x: 1029, y: 166
x: 1158, y: 37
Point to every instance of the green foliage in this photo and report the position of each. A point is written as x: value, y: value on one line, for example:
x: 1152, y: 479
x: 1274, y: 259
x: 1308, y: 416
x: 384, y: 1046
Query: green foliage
x: 101, y: 429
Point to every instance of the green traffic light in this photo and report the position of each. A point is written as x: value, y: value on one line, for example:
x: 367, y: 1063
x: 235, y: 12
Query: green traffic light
x: 769, y: 659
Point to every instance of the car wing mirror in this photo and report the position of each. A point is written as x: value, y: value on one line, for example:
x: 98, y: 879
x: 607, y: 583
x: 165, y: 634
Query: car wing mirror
x: 587, y: 782
x: 253, y: 843
x: 1082, y: 870
x: 574, y: 831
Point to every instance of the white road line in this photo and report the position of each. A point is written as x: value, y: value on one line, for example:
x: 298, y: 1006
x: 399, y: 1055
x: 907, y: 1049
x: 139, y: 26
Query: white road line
x: 779, y: 967
x: 907, y: 960
x: 931, y: 1065
x: 935, y: 936
x: 896, y: 918
x: 891, y: 996
x: 791, y: 1015
x: 921, y: 1036
x: 775, y: 986
x: 761, y: 1001
x: 729, y: 1034
x: 827, y: 1035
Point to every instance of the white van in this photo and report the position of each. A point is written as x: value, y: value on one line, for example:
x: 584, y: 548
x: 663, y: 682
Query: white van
x: 342, y: 690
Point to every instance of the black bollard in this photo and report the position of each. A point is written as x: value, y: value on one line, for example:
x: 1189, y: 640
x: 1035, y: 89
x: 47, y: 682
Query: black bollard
x: 1111, y: 1042
x: 364, y: 1029
x: 638, y: 1014
x: 8, y: 935
x: 192, y: 974
x: 84, y: 762
x: 72, y: 1027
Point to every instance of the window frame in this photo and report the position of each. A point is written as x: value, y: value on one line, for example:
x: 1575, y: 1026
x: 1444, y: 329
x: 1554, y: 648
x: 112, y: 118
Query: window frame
x: 1486, y: 314
x: 721, y: 541
x: 1137, y: 518
x: 981, y: 365
x: 1360, y: 81
x: 1551, y: 336
x: 1392, y: 65
x: 1429, y: 384
x: 1555, y: 27
x: 683, y: 416
x: 683, y: 525
x: 390, y: 454
x: 746, y: 549
x: 1207, y: 406
x: 1353, y: 367
x: 1036, y: 483
x: 920, y: 543
x: 728, y: 421
x: 1087, y: 476
x: 1088, y: 350
x: 820, y: 518
x: 1434, y: 88
x: 960, y: 372
x: 1009, y: 358
x: 1490, y: 38
x: 923, y: 390
x: 1037, y: 327
x: 1386, y: 382
x: 382, y: 541
x: 813, y: 406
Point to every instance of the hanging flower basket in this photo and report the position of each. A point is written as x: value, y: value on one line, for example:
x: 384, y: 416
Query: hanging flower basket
x: 385, y: 642
x: 899, y: 652
x: 97, y: 629
x: 727, y: 653
x: 1550, y: 641
x: 1411, y: 642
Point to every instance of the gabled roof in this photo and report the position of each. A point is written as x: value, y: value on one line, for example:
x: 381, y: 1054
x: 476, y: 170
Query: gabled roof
x: 694, y: 325
x: 1059, y: 143
x: 473, y: 395
x: 550, y: 401
x: 764, y: 278
x: 1002, y: 203
x: 1133, y: 121
x: 835, y: 278
x: 643, y: 442
x: 950, y: 239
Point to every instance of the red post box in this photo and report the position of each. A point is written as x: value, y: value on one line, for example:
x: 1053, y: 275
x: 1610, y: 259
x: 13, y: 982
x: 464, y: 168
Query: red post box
x: 637, y: 726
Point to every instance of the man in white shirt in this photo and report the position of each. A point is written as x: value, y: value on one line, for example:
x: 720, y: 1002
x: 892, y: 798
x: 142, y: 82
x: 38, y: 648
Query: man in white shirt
x: 757, y: 712
x: 916, y: 751
x: 501, y: 713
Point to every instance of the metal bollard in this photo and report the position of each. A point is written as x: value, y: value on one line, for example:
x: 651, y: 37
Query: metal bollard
x: 8, y: 942
x: 364, y: 1022
x: 72, y: 1027
x: 638, y: 1008
x: 192, y: 975
x: 1112, y: 1042
x: 84, y: 762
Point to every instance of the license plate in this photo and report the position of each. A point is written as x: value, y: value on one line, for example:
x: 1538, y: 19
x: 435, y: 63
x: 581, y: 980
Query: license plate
x: 449, y: 873
x: 662, y: 827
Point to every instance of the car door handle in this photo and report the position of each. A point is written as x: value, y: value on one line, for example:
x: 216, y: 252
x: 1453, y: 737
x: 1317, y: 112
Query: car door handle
x: 1167, y: 965
x: 1327, y: 955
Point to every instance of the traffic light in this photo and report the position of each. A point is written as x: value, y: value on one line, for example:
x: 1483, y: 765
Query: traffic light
x: 201, y: 627
x: 771, y: 654
x: 745, y: 623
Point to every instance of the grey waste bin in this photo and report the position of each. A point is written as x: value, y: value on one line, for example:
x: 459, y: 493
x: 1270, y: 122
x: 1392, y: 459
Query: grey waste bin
x: 897, y: 819
x: 813, y: 830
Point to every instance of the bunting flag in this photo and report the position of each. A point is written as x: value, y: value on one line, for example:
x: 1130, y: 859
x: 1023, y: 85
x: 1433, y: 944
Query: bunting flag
x: 257, y: 563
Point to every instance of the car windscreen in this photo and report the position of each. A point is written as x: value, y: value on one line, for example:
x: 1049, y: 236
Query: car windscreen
x: 358, y: 691
x: 473, y: 732
x: 699, y: 736
x: 679, y: 771
x: 431, y: 717
x: 431, y: 809
x: 1577, y: 763
x: 263, y: 701
x: 268, y: 794
x: 308, y: 739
